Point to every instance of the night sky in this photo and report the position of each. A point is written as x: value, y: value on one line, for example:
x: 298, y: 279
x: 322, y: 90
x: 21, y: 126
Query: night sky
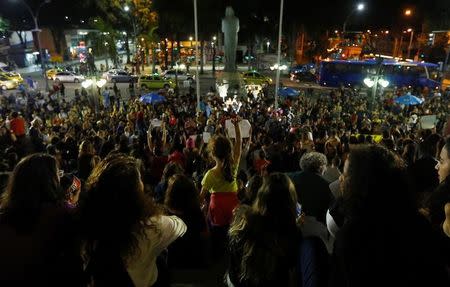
x: 314, y: 14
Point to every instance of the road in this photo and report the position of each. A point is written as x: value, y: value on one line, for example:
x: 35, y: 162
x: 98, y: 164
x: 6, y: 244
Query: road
x: 207, y: 80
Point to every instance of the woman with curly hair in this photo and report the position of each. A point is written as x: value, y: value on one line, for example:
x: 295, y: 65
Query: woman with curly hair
x: 264, y: 237
x: 384, y: 239
x: 123, y: 231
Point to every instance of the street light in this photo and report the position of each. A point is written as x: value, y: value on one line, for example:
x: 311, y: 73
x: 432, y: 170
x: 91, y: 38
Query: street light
x: 93, y: 83
x: 127, y: 8
x: 35, y: 17
x: 268, y: 45
x: 411, y: 31
x: 359, y: 7
x: 408, y: 12
x: 213, y: 44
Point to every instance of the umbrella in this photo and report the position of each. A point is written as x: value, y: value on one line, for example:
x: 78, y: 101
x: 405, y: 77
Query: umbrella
x: 288, y: 92
x: 152, y: 98
x: 408, y: 100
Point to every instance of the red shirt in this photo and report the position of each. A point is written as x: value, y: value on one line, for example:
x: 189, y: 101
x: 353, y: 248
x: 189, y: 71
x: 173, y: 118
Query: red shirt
x: 18, y: 126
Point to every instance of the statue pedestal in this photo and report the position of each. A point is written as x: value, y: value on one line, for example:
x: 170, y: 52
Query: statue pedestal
x: 230, y: 84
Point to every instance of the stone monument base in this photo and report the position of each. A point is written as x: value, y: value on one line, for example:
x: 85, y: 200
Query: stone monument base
x: 230, y: 84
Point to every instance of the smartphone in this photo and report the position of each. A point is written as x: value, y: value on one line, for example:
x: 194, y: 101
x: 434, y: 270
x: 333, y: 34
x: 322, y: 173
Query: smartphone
x: 75, y: 186
x: 298, y: 209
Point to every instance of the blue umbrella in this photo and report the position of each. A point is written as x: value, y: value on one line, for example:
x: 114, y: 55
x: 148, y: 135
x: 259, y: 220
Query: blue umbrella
x: 152, y: 98
x: 408, y: 100
x: 288, y: 92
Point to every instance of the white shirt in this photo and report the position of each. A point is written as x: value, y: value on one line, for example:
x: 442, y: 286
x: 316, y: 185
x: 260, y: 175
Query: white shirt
x: 142, y: 269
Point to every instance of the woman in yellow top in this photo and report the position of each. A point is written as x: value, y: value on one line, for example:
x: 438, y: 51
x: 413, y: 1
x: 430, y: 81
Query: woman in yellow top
x: 220, y: 181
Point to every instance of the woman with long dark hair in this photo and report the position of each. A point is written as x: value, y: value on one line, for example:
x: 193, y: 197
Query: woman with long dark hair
x: 264, y: 238
x: 220, y: 181
x: 123, y: 231
x: 37, y: 234
x: 182, y: 200
x: 384, y: 239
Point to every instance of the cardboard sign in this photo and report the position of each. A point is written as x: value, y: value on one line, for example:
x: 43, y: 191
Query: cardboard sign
x: 244, y: 125
x: 428, y: 122
x: 206, y: 137
x: 156, y: 123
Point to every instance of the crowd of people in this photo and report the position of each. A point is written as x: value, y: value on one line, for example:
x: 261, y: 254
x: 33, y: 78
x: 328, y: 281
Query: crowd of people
x: 329, y: 190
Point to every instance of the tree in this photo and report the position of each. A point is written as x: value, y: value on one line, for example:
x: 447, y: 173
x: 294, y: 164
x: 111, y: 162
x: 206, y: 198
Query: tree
x: 4, y: 26
x: 103, y: 41
x: 141, y: 14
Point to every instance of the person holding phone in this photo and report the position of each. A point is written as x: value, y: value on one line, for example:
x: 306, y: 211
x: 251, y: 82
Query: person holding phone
x: 221, y: 185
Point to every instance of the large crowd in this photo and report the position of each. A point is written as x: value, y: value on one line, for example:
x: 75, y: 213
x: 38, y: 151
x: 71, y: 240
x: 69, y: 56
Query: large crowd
x: 326, y: 190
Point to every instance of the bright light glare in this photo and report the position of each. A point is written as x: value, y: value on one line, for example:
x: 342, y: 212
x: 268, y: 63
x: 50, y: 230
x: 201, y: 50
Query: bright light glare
x: 360, y: 7
x: 384, y: 83
x: 101, y: 83
x: 408, y: 12
x: 126, y: 8
x: 87, y: 83
x: 409, y: 30
x: 369, y: 82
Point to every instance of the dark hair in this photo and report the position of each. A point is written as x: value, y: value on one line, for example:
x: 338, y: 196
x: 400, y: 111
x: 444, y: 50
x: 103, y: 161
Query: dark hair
x: 171, y: 169
x: 375, y: 183
x: 32, y: 186
x: 274, y: 215
x: 254, y: 184
x: 85, y: 166
x: 116, y: 211
x: 182, y: 195
x: 220, y: 147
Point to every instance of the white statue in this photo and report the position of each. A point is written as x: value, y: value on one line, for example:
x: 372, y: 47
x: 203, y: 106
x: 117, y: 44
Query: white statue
x: 230, y: 28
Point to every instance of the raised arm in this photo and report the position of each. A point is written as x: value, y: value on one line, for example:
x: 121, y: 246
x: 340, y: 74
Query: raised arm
x: 238, y: 142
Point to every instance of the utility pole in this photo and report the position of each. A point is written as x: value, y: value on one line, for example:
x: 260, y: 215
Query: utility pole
x: 35, y: 17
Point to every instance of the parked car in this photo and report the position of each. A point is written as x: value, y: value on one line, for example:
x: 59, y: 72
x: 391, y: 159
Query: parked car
x: 182, y: 75
x: 7, y: 84
x: 155, y: 82
x: 68, y: 77
x: 118, y: 76
x: 256, y: 78
x: 11, y: 76
x: 51, y: 73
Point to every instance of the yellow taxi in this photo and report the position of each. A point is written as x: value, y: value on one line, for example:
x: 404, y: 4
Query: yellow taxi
x: 256, y: 78
x: 16, y: 77
x: 7, y: 84
x: 51, y: 73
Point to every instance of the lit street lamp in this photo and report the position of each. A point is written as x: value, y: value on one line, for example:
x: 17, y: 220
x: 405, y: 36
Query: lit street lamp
x: 213, y: 44
x: 126, y: 8
x: 35, y: 17
x: 268, y: 45
x: 408, y: 12
x: 411, y: 31
x: 358, y: 7
x: 93, y: 83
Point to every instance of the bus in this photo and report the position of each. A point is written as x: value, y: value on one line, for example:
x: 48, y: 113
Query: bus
x: 339, y: 73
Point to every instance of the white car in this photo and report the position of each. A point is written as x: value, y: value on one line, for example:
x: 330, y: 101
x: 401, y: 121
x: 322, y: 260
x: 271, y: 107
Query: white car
x: 68, y: 77
x: 182, y: 75
x: 119, y: 76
